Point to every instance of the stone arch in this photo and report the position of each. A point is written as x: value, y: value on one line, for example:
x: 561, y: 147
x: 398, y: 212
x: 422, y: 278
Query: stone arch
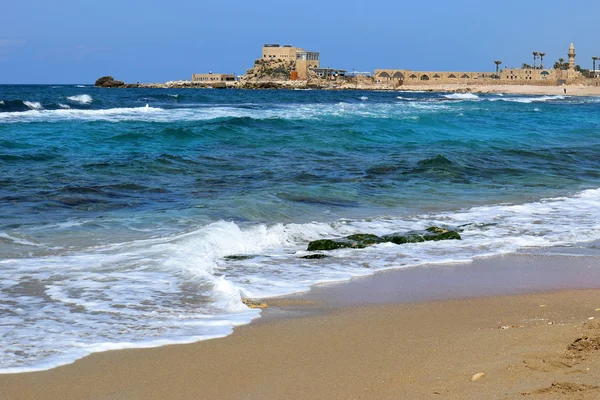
x: 452, y: 76
x: 424, y: 77
x: 384, y: 75
x: 465, y: 76
x: 398, y: 75
x: 413, y: 76
x: 437, y: 76
x: 545, y: 73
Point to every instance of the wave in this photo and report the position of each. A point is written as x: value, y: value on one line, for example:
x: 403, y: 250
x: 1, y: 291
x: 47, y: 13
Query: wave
x: 34, y: 105
x: 528, y: 100
x: 81, y: 99
x: 64, y: 106
x: 184, y: 288
x: 462, y: 96
x: 283, y: 112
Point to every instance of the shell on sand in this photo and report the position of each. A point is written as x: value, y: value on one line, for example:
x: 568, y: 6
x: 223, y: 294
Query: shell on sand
x: 477, y: 376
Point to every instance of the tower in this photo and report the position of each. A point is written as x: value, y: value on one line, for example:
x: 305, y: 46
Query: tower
x: 571, y: 57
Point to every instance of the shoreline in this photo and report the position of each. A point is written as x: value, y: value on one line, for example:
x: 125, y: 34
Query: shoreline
x: 470, y: 294
x: 571, y: 90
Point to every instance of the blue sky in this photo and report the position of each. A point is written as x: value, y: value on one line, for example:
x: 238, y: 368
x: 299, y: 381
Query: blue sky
x: 67, y: 41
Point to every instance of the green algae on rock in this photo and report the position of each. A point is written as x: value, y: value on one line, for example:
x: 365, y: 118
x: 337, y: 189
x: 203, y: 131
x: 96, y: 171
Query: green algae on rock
x: 362, y: 240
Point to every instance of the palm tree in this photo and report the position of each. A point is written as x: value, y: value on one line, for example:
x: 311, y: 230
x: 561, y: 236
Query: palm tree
x: 542, y: 60
x: 594, y: 58
x: 497, y: 62
x: 535, y: 54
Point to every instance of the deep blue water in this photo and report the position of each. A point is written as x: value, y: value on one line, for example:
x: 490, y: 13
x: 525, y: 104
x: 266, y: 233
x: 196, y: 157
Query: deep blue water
x: 117, y: 206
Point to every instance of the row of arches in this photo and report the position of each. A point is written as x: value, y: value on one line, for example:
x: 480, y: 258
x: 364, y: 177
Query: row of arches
x: 424, y: 77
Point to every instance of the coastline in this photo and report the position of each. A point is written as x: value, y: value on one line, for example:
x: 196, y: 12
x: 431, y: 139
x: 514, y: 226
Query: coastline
x: 571, y: 90
x: 419, y: 332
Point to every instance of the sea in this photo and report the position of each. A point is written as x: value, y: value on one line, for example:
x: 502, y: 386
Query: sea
x: 140, y: 217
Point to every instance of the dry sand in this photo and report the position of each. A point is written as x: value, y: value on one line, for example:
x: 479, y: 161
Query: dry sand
x: 572, y: 90
x: 377, y: 343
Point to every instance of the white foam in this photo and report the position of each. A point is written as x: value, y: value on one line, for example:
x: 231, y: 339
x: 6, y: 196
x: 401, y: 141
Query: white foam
x: 364, y: 98
x: 65, y: 106
x: 290, y: 111
x: 528, y: 100
x: 34, y: 105
x: 462, y: 96
x: 81, y: 86
x: 2, y: 102
x: 180, y: 289
x: 81, y: 99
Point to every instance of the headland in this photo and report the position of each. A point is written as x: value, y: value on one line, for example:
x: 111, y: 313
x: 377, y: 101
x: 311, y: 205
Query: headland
x: 288, y: 67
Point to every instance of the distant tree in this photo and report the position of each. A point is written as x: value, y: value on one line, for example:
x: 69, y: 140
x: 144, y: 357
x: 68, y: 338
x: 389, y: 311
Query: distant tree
x: 535, y: 54
x: 542, y: 60
x: 595, y: 59
x: 526, y: 66
x: 578, y: 68
x: 561, y: 64
x: 497, y: 62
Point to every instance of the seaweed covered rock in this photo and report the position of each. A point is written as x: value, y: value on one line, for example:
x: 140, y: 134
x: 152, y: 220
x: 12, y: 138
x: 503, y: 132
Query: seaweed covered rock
x: 362, y: 240
x: 402, y: 238
x: 238, y: 257
x: 317, y: 256
x: 365, y: 239
x: 330, y: 244
x: 356, y: 241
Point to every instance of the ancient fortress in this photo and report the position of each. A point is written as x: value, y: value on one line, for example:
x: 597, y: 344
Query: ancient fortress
x: 289, y: 66
x: 512, y: 76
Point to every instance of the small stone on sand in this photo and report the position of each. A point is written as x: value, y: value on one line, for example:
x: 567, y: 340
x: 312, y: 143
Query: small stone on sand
x: 477, y: 376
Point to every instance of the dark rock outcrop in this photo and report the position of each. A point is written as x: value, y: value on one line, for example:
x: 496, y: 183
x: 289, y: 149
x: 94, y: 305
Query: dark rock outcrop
x: 316, y: 256
x: 362, y: 240
x: 108, y: 82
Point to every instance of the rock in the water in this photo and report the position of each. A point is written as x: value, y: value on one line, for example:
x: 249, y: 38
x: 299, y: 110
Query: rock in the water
x: 331, y: 244
x: 402, y: 238
x: 238, y: 257
x: 362, y: 240
x: 314, y: 256
x: 448, y: 235
x: 108, y: 82
x: 357, y: 241
x: 365, y: 239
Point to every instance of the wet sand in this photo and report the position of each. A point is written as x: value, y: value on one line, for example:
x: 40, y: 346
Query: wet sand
x: 420, y: 333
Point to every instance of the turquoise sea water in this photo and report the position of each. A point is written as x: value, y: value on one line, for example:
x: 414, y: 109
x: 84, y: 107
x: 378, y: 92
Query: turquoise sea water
x: 118, y: 208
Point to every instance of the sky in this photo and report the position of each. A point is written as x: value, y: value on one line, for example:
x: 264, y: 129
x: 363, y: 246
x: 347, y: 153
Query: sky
x: 78, y: 41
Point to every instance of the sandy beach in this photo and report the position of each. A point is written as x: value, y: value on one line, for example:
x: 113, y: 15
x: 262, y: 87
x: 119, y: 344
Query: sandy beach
x: 499, y: 328
x: 571, y: 90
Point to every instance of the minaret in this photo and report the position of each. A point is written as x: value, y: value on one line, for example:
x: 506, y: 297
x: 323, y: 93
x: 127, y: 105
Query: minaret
x: 571, y: 57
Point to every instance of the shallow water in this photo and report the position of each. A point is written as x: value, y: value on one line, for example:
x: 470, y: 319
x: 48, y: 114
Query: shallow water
x: 117, y: 207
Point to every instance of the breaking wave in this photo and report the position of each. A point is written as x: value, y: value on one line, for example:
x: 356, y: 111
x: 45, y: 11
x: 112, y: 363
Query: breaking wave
x: 157, y: 278
x: 81, y: 99
x: 462, y: 96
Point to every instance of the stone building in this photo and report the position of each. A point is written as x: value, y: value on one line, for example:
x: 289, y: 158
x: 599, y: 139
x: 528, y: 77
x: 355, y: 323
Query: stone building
x: 303, y: 60
x: 212, y: 78
x: 505, y: 76
x: 406, y: 76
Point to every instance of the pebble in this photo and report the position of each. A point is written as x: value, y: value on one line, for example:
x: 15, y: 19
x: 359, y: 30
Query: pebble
x: 477, y: 376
